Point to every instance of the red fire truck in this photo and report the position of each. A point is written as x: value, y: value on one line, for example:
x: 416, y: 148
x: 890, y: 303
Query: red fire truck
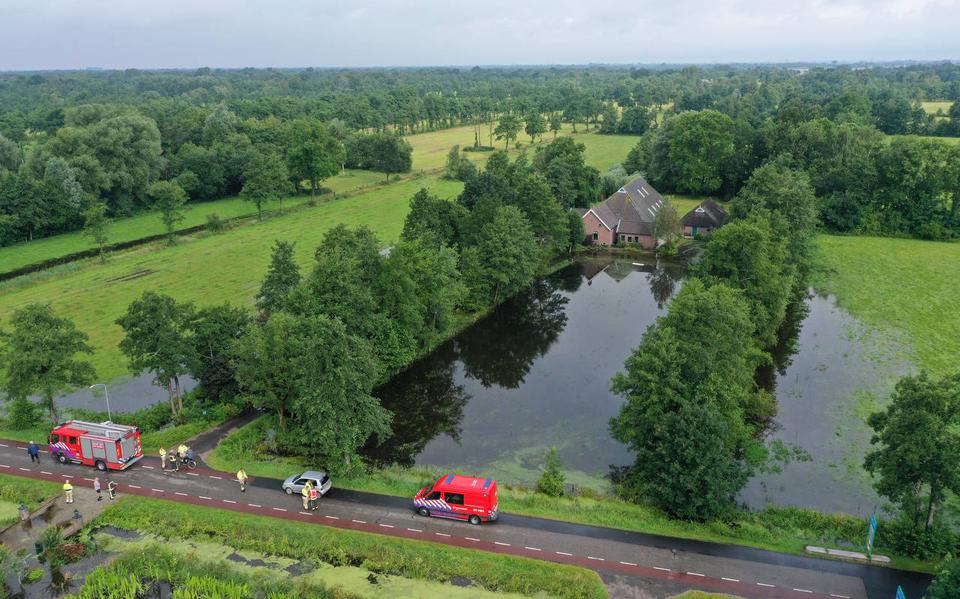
x: 105, y: 445
x: 459, y: 497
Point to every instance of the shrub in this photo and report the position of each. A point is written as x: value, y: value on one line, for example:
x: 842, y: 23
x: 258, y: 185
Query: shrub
x: 947, y: 583
x: 906, y: 538
x: 214, y: 223
x: 552, y: 479
x: 34, y: 575
x: 23, y: 414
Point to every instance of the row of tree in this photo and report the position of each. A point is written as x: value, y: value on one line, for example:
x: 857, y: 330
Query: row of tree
x: 864, y: 181
x: 111, y: 155
x: 693, y: 411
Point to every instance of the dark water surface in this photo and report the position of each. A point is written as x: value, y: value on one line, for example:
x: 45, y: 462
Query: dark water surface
x: 536, y: 373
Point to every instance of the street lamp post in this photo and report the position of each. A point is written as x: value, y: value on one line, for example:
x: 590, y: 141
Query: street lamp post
x: 105, y: 395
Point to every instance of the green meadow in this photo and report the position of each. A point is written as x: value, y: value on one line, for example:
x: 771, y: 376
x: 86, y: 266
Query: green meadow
x: 206, y: 268
x: 429, y: 157
x: 936, y: 106
x: 908, y: 286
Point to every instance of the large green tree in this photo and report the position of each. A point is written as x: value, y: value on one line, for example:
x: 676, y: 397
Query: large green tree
x: 282, y: 276
x: 157, y: 339
x: 536, y: 126
x: 572, y: 181
x: 41, y: 355
x: 266, y: 179
x: 747, y: 255
x: 169, y: 198
x: 506, y: 257
x: 691, y: 152
x: 507, y: 129
x: 215, y: 331
x: 313, y: 154
x: 917, y: 458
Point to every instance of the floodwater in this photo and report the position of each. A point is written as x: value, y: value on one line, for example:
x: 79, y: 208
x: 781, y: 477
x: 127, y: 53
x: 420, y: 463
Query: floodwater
x: 536, y: 373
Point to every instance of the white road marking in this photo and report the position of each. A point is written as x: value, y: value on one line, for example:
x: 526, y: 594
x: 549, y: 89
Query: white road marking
x: 694, y: 574
x: 216, y: 477
x: 25, y: 469
x: 441, y: 534
x: 135, y: 486
x: 628, y: 564
x: 840, y: 596
x: 386, y: 525
x: 472, y: 539
x: 358, y: 521
x: 410, y: 529
x: 596, y: 559
x: 280, y: 509
x: 533, y: 548
x: 192, y: 474
x: 763, y: 584
x: 45, y: 472
x: 332, y: 517
x: 179, y: 493
x: 304, y: 513
x: 157, y: 490
x: 229, y: 501
x: 661, y: 569
x: 802, y: 590
x: 254, y: 505
x: 563, y: 553
x: 149, y: 467
x: 729, y: 579
x: 503, y: 544
x: 4, y: 466
x: 4, y: 445
x: 205, y: 497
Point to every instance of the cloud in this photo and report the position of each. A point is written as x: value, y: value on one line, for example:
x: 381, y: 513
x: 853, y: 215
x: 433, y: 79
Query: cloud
x: 235, y: 33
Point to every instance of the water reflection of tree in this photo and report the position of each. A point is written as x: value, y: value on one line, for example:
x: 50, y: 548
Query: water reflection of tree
x: 788, y: 344
x: 502, y: 350
x: 425, y: 402
x: 663, y: 282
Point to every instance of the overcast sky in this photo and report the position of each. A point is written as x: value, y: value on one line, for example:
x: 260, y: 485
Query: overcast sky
x: 60, y: 34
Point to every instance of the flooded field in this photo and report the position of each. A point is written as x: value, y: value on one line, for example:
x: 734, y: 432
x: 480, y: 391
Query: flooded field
x: 536, y: 373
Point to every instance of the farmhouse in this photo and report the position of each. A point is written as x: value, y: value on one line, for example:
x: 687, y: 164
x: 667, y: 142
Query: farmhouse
x: 626, y: 216
x: 703, y: 219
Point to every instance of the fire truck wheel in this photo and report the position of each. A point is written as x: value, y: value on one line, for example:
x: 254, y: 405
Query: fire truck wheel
x: 101, y: 466
x: 61, y: 458
x: 475, y: 520
x: 423, y: 511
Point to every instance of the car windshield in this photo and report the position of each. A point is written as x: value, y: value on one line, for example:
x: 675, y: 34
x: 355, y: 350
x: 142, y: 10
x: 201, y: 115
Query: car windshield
x: 324, y: 480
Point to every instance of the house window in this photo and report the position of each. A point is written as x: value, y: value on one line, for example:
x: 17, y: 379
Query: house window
x: 596, y: 236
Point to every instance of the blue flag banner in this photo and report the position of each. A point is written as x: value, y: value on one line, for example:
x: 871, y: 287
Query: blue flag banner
x: 871, y: 535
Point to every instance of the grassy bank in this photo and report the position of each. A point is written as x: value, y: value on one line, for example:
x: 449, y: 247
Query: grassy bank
x: 15, y: 490
x: 207, y: 269
x: 907, y: 286
x: 316, y: 544
x: 786, y: 530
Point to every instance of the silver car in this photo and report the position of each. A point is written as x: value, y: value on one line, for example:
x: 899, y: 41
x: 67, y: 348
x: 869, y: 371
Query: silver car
x: 321, y: 482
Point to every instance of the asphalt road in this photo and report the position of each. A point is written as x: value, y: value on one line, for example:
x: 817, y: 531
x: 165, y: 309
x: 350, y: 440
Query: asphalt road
x: 693, y: 564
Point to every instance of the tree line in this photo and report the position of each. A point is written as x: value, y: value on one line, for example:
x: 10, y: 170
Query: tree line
x: 113, y: 160
x: 319, y: 342
x: 864, y: 182
x: 694, y: 413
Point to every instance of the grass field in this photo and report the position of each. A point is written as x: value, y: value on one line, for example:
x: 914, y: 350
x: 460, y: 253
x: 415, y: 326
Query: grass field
x: 946, y: 140
x: 908, y: 285
x: 205, y: 269
x: 429, y: 156
x: 936, y: 106
x: 15, y: 490
x: 430, y: 149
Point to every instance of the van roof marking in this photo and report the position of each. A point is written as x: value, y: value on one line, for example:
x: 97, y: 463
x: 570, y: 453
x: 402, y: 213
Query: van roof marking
x: 449, y: 479
x: 487, y: 483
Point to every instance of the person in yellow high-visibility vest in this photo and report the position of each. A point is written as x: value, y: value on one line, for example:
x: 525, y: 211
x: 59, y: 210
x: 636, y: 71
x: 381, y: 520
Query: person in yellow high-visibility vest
x: 306, y: 495
x: 68, y: 491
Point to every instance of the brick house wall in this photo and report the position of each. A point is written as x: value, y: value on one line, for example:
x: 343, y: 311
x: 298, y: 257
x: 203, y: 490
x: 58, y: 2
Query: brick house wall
x: 701, y: 231
x: 597, y: 233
